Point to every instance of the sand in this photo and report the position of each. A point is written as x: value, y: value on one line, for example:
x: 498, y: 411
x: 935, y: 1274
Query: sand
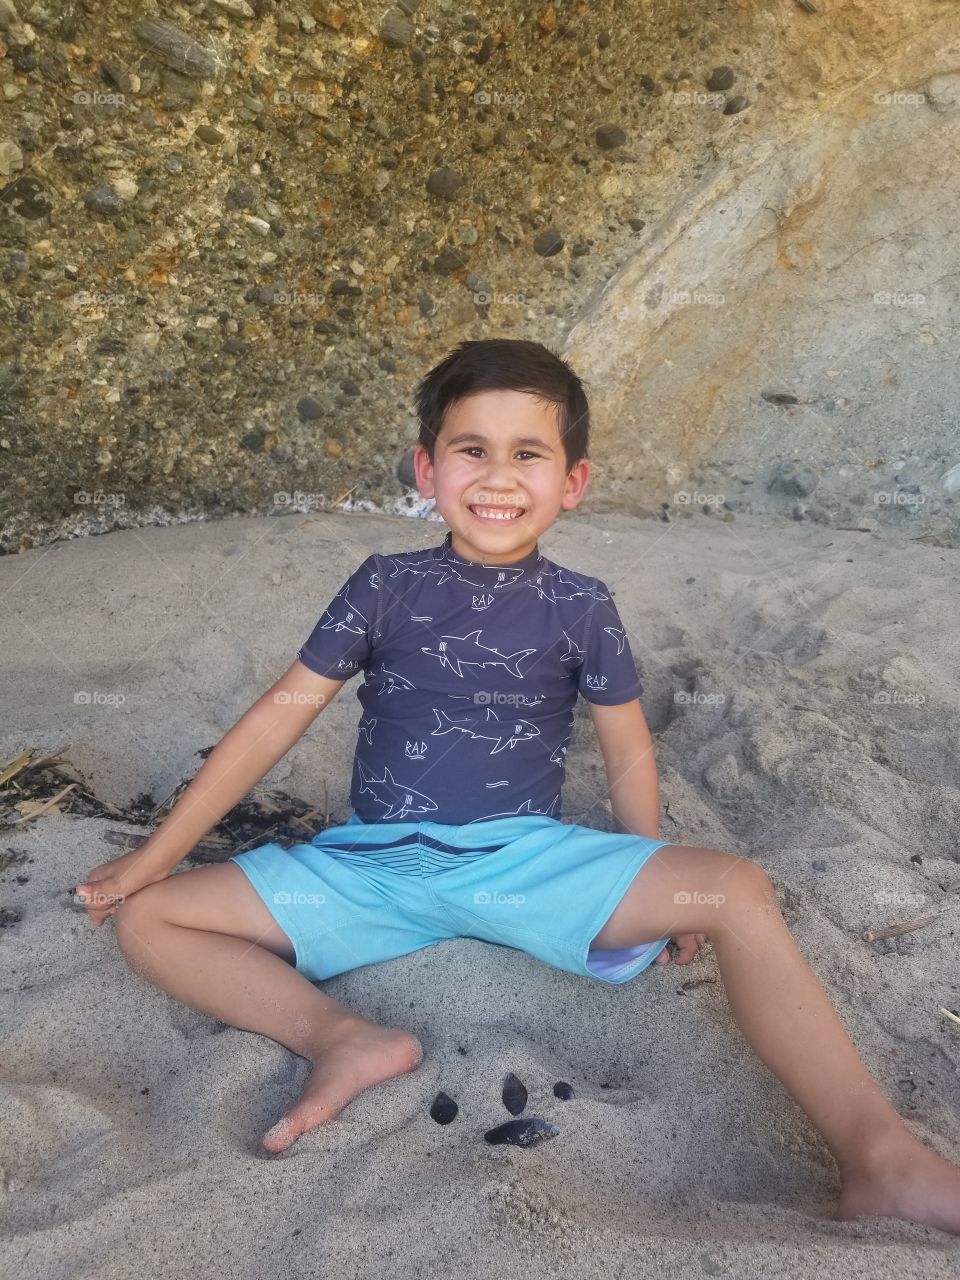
x: 816, y: 731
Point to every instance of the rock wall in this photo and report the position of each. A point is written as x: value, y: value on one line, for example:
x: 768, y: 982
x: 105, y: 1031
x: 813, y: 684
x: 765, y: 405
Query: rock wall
x: 235, y: 233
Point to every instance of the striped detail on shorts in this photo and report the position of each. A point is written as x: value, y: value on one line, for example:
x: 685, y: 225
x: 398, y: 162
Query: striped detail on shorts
x: 404, y: 856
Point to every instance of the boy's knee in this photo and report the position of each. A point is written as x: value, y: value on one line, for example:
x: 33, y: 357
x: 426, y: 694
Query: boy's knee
x: 745, y: 884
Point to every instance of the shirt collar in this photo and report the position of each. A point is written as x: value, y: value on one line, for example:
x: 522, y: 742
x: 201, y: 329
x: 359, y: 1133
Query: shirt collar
x: 532, y: 562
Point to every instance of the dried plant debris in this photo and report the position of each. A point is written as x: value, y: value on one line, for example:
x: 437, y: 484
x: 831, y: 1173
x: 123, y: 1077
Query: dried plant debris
x: 896, y: 930
x: 32, y: 785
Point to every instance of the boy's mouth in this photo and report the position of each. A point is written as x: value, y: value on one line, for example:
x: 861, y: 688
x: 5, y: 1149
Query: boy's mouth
x: 496, y: 515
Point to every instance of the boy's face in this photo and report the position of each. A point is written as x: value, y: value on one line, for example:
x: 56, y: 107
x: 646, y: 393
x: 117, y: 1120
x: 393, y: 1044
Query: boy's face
x: 499, y: 474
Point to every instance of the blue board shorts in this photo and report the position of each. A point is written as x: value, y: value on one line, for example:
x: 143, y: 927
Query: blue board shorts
x: 361, y: 893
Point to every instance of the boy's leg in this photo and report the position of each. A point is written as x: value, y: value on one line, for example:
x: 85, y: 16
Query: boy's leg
x: 206, y: 937
x: 787, y: 1018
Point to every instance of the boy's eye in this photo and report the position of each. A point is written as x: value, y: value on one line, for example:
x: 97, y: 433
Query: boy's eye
x: 475, y: 448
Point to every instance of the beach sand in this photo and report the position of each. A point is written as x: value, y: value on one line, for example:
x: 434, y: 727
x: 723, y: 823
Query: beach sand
x: 802, y: 686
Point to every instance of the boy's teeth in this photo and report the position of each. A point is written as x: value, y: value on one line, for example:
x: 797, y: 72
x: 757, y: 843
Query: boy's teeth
x: 493, y: 513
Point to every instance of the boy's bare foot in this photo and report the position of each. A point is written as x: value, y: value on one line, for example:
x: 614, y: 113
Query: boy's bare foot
x: 901, y: 1178
x: 361, y: 1056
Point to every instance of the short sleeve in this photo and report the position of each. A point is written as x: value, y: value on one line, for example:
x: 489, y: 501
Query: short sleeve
x: 342, y: 641
x: 607, y: 674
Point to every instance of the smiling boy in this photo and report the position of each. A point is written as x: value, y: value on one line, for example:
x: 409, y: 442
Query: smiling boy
x: 473, y: 654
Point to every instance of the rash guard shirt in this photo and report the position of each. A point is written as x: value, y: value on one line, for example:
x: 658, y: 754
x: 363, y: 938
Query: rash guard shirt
x: 471, y: 673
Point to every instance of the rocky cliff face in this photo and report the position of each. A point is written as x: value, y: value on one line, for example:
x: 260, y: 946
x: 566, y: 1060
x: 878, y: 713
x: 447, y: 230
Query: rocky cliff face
x: 235, y: 233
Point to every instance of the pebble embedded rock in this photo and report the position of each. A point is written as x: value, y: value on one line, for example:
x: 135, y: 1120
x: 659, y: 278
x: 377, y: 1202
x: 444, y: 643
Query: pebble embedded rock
x: 548, y: 243
x: 609, y: 136
x: 720, y: 78
x: 795, y: 479
x: 444, y: 183
x: 735, y: 105
x: 103, y: 199
x: 174, y: 48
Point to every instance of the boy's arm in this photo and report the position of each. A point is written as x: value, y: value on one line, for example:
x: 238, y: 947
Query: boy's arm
x: 243, y: 756
x: 627, y: 749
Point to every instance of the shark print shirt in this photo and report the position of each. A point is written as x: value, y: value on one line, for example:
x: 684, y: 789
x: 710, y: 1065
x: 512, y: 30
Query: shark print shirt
x: 470, y: 675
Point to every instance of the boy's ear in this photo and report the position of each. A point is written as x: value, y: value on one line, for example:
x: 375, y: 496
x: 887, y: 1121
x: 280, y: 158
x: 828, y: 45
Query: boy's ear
x: 423, y: 471
x: 576, y: 484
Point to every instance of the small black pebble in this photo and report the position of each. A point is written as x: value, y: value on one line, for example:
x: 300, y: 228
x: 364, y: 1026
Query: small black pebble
x: 461, y: 1049
x: 514, y: 1094
x: 720, y: 78
x: 915, y: 857
x: 735, y: 105
x: 522, y: 1133
x: 564, y: 1091
x: 444, y: 1108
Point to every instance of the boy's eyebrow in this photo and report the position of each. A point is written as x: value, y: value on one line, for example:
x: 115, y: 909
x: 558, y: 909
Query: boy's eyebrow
x: 463, y: 436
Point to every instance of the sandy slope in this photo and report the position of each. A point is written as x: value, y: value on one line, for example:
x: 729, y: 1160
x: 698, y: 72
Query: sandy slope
x: 817, y: 723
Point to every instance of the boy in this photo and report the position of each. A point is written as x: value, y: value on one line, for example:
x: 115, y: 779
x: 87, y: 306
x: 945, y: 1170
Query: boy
x: 473, y: 653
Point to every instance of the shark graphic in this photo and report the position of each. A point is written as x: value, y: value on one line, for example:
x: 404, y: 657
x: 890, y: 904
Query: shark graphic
x: 389, y: 681
x: 366, y: 728
x: 520, y: 730
x: 573, y: 651
x: 351, y: 618
x: 443, y: 570
x: 521, y: 699
x: 471, y: 653
x: 523, y: 812
x: 399, y: 798
x: 556, y: 585
x: 557, y: 756
x: 620, y: 635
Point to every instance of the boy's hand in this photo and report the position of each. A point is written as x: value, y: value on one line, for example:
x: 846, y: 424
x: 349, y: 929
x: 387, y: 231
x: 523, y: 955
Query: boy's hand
x: 688, y: 944
x: 112, y: 882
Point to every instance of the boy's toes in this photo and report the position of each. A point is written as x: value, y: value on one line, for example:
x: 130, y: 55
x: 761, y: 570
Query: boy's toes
x: 276, y: 1141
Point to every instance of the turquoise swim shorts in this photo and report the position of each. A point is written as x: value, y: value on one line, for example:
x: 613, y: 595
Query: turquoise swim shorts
x: 361, y: 893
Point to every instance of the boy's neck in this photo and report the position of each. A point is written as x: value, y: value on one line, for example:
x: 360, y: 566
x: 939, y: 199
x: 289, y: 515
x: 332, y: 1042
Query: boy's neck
x: 521, y: 558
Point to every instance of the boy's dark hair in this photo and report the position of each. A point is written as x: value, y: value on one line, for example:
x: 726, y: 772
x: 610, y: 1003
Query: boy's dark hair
x: 505, y: 364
